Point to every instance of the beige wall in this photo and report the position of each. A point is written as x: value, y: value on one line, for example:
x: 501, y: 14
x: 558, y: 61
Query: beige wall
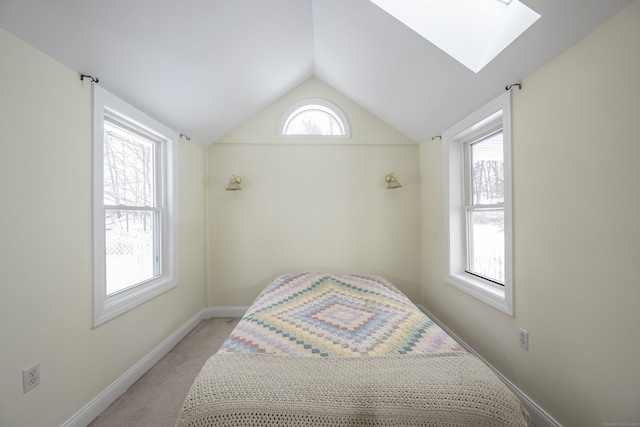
x: 311, y: 205
x: 46, y: 246
x: 576, y: 148
x: 366, y: 129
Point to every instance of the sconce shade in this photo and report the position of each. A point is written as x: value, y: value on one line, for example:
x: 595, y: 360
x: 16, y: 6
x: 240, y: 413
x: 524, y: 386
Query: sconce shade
x: 392, y: 182
x: 234, y: 183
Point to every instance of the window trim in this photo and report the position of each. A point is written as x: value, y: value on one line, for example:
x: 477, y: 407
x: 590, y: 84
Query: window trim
x: 107, y: 307
x: 492, y: 114
x: 337, y: 113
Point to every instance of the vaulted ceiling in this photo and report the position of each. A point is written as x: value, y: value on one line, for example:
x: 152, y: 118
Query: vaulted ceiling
x: 205, y: 66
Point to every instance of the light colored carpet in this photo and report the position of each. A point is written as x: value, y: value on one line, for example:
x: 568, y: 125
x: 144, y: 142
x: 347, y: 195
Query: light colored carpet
x: 156, y: 398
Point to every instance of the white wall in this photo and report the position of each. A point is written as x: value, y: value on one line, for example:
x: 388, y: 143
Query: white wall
x: 311, y: 205
x: 46, y: 246
x: 576, y: 148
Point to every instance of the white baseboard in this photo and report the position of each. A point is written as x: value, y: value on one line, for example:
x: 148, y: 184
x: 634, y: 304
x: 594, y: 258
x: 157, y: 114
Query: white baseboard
x: 91, y: 410
x: 102, y: 401
x: 225, y: 311
x: 539, y: 416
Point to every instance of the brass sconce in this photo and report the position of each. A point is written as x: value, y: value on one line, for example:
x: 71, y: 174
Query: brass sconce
x: 392, y: 182
x: 234, y: 183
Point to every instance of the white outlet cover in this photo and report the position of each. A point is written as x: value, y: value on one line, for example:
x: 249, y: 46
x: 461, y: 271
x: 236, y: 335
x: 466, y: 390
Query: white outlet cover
x: 523, y: 337
x: 31, y: 377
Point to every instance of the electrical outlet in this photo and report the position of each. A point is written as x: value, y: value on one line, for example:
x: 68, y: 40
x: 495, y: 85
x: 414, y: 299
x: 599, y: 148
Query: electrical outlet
x: 523, y: 338
x: 31, y: 377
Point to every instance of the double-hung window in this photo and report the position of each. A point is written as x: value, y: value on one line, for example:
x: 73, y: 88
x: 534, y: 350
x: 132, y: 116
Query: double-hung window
x: 478, y: 190
x: 134, y: 211
x: 484, y: 206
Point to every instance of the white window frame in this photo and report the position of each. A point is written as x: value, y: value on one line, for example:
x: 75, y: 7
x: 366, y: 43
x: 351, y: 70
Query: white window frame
x: 333, y: 110
x: 107, y: 307
x: 495, y: 114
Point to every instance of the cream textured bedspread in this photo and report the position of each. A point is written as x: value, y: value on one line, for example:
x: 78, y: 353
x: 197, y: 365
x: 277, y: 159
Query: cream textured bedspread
x: 439, y: 389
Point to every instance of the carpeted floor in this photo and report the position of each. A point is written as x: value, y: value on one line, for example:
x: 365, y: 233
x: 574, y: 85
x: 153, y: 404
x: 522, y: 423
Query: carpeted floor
x: 156, y: 398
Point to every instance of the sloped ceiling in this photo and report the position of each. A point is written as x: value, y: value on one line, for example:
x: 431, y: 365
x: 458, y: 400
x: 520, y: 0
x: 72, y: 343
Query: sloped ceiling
x: 205, y: 66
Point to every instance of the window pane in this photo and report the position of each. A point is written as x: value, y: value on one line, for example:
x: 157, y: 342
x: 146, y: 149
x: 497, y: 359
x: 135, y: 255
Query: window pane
x: 486, y: 244
x: 128, y: 168
x: 314, y: 122
x: 130, y: 248
x: 487, y: 171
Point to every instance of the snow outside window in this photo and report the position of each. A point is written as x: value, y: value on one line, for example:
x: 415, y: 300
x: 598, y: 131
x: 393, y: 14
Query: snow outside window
x: 134, y: 208
x: 484, y: 191
x: 478, y: 217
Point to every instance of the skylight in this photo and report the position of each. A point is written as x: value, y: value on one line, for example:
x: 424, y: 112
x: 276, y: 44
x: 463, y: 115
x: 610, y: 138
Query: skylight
x: 473, y: 32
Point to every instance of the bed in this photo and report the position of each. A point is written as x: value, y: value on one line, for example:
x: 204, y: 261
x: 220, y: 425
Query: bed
x: 318, y: 349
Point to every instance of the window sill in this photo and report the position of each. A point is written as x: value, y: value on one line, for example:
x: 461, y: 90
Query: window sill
x: 110, y: 307
x: 495, y: 296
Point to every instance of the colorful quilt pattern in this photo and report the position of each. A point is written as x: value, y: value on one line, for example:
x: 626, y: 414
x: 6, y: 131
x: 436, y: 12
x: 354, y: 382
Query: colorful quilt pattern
x: 326, y: 315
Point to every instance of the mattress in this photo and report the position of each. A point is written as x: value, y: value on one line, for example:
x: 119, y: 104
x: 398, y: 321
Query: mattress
x: 318, y: 349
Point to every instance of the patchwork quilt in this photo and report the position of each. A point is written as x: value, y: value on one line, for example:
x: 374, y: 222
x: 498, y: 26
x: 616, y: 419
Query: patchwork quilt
x: 326, y: 315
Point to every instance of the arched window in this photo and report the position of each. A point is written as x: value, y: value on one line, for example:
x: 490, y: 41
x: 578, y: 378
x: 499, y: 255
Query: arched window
x: 314, y: 117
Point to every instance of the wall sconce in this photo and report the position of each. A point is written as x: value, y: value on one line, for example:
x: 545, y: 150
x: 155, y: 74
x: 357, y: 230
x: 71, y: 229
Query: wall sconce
x: 234, y: 183
x: 392, y: 182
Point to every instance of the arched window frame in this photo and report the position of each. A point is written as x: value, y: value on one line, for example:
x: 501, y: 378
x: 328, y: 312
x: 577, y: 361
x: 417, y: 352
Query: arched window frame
x: 308, y: 104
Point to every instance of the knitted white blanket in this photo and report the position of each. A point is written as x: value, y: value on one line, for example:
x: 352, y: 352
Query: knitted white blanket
x: 439, y: 389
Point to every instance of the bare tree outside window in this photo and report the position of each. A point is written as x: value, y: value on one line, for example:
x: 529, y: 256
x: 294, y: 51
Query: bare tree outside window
x: 314, y: 122
x: 130, y: 214
x: 314, y: 117
x: 486, y: 213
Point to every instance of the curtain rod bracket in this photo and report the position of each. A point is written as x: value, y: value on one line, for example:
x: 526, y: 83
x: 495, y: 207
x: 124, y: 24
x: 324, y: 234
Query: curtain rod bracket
x: 512, y: 85
x: 93, y: 79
